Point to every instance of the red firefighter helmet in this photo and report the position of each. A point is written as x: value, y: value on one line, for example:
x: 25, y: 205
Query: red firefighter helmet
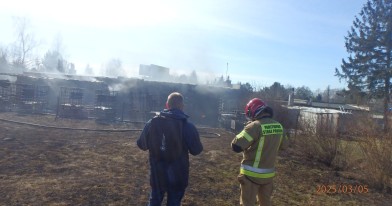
x: 254, y: 107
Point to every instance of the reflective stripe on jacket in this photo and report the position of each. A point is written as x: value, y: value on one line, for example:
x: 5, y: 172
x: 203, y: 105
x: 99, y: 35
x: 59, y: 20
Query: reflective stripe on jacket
x: 260, y: 141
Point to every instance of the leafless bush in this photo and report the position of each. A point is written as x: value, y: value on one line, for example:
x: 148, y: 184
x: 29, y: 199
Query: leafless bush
x: 357, y: 143
x: 322, y: 146
x: 357, y: 125
x: 349, y: 156
x: 378, y: 158
x: 374, y: 150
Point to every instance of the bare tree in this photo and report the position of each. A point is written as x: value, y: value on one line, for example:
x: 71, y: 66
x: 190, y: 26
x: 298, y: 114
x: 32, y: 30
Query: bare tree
x: 54, y: 59
x: 25, y: 42
x: 3, y: 59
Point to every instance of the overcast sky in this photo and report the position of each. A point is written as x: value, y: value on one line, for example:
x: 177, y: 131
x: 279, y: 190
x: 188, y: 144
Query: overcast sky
x: 294, y: 42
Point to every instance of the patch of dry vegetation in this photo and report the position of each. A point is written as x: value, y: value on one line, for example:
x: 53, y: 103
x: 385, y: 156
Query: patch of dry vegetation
x: 363, y: 152
x: 63, y: 167
x: 376, y: 149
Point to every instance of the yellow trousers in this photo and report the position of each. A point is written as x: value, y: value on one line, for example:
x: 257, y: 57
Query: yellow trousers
x: 251, y: 192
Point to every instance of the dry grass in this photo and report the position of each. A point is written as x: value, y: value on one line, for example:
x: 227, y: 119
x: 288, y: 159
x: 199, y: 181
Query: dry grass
x: 321, y: 146
x: 364, y: 151
x: 377, y: 151
x: 61, y: 167
x: 375, y: 154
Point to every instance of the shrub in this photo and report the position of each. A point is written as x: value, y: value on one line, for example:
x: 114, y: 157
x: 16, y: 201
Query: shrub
x: 378, y: 158
x: 321, y: 146
x: 375, y: 148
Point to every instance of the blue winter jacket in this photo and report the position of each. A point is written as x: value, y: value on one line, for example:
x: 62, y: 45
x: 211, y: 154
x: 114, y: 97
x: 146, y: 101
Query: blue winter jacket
x: 174, y: 174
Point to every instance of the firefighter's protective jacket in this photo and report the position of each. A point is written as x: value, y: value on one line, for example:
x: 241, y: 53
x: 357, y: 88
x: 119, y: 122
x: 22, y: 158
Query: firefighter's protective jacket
x: 260, y: 141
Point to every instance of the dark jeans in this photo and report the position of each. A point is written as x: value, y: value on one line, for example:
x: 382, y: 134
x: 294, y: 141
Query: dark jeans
x: 173, y: 197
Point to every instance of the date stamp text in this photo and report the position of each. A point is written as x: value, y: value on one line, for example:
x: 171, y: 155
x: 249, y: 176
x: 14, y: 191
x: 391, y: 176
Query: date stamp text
x: 342, y: 189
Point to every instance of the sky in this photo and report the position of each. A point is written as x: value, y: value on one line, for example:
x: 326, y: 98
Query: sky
x: 293, y: 42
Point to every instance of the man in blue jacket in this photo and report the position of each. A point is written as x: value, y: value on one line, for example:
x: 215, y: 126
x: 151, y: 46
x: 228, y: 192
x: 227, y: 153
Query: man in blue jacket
x: 169, y: 137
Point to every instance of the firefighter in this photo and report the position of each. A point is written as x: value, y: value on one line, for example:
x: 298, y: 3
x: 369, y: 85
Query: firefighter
x: 259, y: 141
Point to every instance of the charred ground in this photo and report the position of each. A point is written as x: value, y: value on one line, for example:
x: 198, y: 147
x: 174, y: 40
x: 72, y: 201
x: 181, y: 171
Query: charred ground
x: 42, y: 166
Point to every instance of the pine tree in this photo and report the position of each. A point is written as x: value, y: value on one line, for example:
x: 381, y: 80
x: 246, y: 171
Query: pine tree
x: 369, y: 42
